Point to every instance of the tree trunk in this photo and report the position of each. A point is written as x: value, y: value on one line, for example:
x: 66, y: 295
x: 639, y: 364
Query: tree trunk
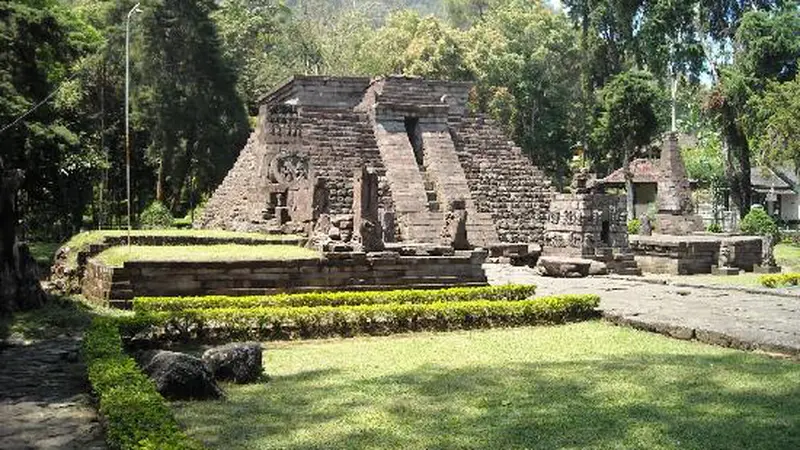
x: 19, y: 277
x: 626, y: 169
x: 737, y: 161
x: 160, y: 180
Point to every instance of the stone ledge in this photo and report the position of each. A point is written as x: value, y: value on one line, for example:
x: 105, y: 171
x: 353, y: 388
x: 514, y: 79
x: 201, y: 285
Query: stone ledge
x: 702, y: 335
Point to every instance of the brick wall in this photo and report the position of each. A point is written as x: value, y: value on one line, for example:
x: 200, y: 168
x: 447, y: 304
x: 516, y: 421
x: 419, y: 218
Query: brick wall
x: 349, y: 271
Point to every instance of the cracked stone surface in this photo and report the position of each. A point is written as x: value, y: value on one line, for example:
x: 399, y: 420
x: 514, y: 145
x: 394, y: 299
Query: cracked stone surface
x: 44, y: 400
x: 717, y: 316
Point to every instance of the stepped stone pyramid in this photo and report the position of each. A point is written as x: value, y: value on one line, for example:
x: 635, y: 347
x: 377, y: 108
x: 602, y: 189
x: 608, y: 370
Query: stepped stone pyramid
x: 314, y: 133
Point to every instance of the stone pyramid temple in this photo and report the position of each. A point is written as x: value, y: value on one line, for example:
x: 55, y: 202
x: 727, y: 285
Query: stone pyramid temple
x: 314, y: 134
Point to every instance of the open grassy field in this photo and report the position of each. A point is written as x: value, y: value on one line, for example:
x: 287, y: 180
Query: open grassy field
x: 586, y: 385
x: 116, y: 256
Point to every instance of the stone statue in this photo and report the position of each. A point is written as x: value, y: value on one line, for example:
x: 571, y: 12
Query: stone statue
x: 646, y: 228
x: 767, y: 251
x: 724, y: 254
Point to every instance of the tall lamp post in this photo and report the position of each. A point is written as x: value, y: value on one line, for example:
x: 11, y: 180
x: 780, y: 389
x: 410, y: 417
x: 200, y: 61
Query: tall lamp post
x: 127, y: 112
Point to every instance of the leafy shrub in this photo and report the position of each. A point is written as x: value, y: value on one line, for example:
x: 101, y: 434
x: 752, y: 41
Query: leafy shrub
x: 714, y: 228
x: 324, y: 321
x: 509, y: 292
x: 634, y: 225
x: 155, y: 216
x: 136, y: 415
x: 758, y: 223
x: 780, y: 279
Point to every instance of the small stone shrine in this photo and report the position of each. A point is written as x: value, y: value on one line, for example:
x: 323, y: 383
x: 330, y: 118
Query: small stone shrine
x: 674, y: 200
x: 589, y: 225
x: 426, y: 173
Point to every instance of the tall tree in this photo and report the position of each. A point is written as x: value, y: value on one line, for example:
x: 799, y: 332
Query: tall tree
x: 627, y: 121
x: 42, y: 130
x: 188, y: 100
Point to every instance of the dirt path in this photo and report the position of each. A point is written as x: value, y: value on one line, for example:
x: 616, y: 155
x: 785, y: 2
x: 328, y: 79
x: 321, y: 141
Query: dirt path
x: 44, y: 395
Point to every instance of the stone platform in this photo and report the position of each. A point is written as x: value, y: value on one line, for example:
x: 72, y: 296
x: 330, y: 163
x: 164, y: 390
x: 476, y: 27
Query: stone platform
x: 693, y: 254
x: 116, y: 286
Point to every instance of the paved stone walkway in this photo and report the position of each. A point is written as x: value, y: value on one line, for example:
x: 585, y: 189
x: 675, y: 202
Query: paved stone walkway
x: 44, y: 400
x: 718, y: 316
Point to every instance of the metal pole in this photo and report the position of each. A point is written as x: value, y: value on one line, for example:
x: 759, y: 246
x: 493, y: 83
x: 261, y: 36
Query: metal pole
x: 127, y: 114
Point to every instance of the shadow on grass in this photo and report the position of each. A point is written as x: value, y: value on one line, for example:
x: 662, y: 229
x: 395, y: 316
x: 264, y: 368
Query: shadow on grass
x: 59, y: 316
x: 735, y: 401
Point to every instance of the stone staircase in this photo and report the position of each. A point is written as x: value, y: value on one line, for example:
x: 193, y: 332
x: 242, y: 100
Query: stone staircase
x: 430, y: 191
x: 410, y: 193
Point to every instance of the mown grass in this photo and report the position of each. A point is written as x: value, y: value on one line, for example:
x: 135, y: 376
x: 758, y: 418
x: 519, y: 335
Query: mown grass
x: 43, y: 252
x: 788, y: 256
x: 83, y: 240
x: 116, y: 256
x: 586, y: 385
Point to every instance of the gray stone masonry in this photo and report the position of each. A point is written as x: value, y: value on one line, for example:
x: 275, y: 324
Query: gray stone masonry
x: 116, y: 286
x: 340, y: 125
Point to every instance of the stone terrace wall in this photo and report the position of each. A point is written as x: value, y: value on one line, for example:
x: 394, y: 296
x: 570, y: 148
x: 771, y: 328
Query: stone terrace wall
x: 68, y: 279
x: 689, y: 255
x: 503, y: 181
x: 348, y: 271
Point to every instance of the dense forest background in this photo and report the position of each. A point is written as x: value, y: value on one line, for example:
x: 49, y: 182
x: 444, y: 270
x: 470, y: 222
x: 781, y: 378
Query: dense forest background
x: 600, y: 78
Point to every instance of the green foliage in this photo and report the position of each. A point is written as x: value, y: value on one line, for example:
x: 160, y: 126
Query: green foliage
x: 509, y: 292
x: 135, y: 414
x: 43, y: 44
x: 156, y: 216
x: 346, y: 320
x: 758, y: 223
x: 779, y: 279
x: 705, y: 162
x: 714, y: 228
x: 634, y: 225
x: 627, y: 118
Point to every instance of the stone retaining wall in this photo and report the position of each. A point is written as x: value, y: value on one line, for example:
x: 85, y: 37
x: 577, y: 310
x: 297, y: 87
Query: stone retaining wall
x: 116, y: 286
x: 688, y: 255
x: 69, y: 279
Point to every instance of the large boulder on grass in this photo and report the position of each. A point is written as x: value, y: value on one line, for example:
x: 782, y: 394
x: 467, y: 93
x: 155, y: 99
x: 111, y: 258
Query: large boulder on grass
x: 239, y: 362
x: 179, y: 376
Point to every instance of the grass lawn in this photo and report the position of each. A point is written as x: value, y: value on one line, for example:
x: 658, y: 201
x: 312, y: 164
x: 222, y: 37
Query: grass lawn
x: 82, y: 241
x: 43, y: 252
x: 585, y: 385
x: 788, y: 256
x: 116, y: 256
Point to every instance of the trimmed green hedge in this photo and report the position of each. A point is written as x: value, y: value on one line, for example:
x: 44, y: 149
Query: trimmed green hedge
x: 780, y: 279
x: 494, y: 293
x: 325, y: 321
x: 135, y: 414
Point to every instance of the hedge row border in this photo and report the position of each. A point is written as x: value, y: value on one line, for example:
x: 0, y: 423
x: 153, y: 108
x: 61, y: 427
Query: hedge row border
x: 136, y: 416
x: 507, y: 292
x: 282, y: 323
x: 780, y: 279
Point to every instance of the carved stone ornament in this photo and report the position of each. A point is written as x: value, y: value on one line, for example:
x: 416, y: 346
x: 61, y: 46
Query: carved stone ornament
x: 288, y: 167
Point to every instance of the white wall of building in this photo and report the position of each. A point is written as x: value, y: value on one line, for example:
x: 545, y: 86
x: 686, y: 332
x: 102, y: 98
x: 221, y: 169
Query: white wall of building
x: 790, y: 207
